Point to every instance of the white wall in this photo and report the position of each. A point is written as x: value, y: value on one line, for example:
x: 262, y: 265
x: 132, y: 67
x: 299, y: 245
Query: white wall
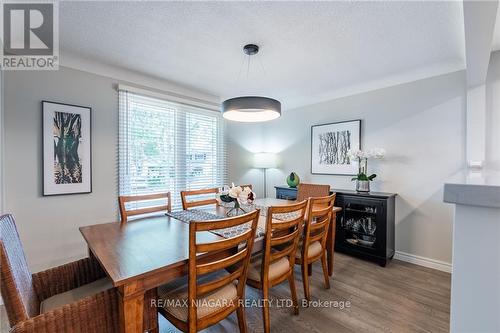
x: 420, y: 124
x: 493, y: 113
x: 1, y: 152
x: 475, y: 286
x: 48, y: 226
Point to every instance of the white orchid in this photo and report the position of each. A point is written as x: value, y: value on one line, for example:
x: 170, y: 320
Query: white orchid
x: 235, y: 191
x: 355, y: 153
x: 361, y: 157
x: 376, y: 153
x: 244, y: 195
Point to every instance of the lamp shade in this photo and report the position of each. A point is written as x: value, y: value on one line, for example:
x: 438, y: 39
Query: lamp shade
x: 251, y: 109
x: 265, y: 160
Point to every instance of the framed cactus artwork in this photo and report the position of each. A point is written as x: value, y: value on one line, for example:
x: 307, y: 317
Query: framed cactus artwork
x: 330, y: 145
x: 67, y: 154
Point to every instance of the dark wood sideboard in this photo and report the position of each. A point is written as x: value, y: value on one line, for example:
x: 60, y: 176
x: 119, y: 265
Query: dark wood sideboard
x: 365, y: 226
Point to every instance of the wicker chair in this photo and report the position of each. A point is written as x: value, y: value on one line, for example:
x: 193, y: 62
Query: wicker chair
x: 306, y: 191
x: 74, y: 297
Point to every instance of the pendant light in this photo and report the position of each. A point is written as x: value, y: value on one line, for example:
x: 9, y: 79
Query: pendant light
x: 251, y: 108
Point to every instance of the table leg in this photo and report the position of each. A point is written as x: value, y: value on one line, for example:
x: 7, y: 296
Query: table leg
x: 330, y: 243
x: 131, y: 308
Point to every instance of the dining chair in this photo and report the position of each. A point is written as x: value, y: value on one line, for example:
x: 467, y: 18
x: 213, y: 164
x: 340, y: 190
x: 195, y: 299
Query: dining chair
x: 203, y: 198
x: 313, y: 245
x: 278, y: 261
x: 75, y: 297
x: 212, y: 293
x: 126, y: 213
x: 306, y: 191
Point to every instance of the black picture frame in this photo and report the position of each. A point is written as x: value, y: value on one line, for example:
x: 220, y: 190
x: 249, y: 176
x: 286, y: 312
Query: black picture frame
x: 48, y: 149
x: 357, y: 145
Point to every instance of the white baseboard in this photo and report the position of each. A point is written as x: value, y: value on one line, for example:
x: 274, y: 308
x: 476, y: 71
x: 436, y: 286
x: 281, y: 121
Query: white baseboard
x: 423, y: 261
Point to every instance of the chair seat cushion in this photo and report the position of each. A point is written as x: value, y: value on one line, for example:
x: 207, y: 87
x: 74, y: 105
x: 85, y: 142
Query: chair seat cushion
x: 75, y: 295
x: 174, y: 301
x: 276, y: 269
x: 314, y: 250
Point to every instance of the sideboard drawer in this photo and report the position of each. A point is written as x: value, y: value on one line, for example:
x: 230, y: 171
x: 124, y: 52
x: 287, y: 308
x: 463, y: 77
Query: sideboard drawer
x: 286, y: 193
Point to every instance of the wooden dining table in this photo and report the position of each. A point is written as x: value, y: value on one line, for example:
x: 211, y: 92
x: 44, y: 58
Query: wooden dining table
x: 143, y: 254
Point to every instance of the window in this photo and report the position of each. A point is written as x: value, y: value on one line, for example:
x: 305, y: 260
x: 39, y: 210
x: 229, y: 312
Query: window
x: 168, y: 146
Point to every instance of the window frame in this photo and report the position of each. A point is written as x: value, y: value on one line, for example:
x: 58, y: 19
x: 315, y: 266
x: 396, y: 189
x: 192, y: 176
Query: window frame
x: 181, y: 114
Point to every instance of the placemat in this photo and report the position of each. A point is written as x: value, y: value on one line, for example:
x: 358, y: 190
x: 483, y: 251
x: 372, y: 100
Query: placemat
x: 187, y: 216
x: 278, y: 216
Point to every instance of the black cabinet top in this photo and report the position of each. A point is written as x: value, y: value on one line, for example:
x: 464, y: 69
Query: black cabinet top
x: 348, y: 192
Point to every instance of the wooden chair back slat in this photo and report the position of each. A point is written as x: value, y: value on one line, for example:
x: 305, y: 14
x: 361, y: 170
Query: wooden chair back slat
x: 205, y: 288
x: 317, y: 237
x: 142, y: 211
x: 283, y: 225
x: 274, y: 256
x: 228, y: 223
x: 306, y: 191
x: 242, y: 248
x: 318, y: 210
x: 126, y: 213
x: 221, y: 264
x: 143, y: 197
x: 319, y: 224
x: 224, y: 244
x: 284, y: 239
x: 186, y: 204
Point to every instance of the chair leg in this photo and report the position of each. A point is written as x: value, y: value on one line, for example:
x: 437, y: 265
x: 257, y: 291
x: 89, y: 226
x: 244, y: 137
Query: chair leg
x: 242, y: 323
x: 305, y: 280
x: 150, y: 311
x: 293, y: 290
x: 310, y: 269
x: 325, y: 271
x: 265, y: 309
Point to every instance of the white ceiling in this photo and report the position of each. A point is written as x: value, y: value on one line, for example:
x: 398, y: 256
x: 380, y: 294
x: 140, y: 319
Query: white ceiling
x: 310, y: 51
x: 496, y: 36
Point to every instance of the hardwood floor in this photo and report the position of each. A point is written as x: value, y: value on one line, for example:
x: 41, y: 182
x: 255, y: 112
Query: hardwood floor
x: 399, y: 298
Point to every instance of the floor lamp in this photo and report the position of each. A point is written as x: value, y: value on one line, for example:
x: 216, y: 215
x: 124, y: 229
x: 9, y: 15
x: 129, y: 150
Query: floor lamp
x: 265, y: 161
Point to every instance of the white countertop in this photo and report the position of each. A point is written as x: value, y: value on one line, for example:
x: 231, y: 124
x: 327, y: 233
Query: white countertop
x: 475, y: 188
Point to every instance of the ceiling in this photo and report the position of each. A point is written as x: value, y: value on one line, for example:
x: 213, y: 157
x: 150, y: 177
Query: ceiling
x: 310, y: 51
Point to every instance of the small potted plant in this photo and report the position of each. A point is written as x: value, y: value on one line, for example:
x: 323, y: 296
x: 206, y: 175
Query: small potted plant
x: 362, y: 179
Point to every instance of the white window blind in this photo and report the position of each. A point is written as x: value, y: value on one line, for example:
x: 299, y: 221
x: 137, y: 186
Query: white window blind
x: 168, y: 146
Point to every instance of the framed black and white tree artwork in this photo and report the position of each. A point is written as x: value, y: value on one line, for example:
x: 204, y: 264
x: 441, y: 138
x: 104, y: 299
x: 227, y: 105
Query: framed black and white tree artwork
x: 67, y: 154
x: 330, y: 144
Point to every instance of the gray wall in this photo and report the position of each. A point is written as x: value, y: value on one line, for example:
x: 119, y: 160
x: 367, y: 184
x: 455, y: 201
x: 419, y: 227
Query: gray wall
x: 420, y: 124
x: 48, y: 226
x: 493, y: 112
x: 1, y: 159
